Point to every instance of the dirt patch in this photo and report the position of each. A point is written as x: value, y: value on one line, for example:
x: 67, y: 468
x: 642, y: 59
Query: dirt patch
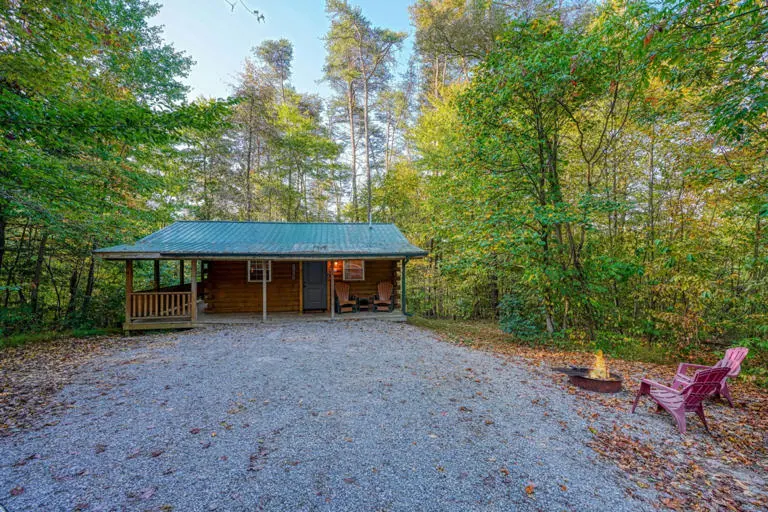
x: 33, y: 374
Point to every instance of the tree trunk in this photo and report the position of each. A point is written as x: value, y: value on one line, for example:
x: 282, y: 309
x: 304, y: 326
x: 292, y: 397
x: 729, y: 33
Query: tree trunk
x: 74, y: 280
x: 389, y: 148
x: 55, y: 288
x: 493, y: 292
x: 258, y: 160
x: 11, y: 268
x: 38, y: 271
x: 249, y: 159
x: 758, y: 237
x: 206, y: 213
x: 3, y: 222
x: 651, y: 214
x: 353, y: 146
x: 88, y: 288
x: 367, y: 147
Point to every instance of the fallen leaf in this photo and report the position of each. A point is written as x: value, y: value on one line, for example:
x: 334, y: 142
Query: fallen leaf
x: 147, y: 492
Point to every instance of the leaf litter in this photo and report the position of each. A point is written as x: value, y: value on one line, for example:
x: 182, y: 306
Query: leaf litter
x: 699, y: 471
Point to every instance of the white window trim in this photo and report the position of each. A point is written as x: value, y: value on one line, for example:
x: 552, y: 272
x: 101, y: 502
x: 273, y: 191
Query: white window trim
x: 344, y: 270
x: 261, y: 262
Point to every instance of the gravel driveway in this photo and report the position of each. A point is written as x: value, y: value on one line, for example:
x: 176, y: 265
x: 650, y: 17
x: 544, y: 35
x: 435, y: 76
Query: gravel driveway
x: 309, y: 416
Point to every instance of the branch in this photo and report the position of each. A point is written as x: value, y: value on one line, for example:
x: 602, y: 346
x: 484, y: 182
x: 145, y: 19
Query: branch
x: 723, y: 20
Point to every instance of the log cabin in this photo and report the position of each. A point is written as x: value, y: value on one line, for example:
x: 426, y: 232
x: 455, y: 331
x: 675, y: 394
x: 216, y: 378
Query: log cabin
x: 249, y: 271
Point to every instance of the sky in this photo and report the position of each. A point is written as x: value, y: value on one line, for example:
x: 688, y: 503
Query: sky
x: 219, y: 38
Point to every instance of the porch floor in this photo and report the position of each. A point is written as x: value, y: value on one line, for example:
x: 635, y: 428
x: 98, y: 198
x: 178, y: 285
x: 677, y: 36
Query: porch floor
x: 255, y: 318
x: 204, y: 318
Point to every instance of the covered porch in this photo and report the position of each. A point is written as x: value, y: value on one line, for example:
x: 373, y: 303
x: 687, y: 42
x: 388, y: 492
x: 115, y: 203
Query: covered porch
x: 217, y: 291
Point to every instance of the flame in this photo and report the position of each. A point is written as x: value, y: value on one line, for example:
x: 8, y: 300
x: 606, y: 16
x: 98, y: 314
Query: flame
x: 600, y: 369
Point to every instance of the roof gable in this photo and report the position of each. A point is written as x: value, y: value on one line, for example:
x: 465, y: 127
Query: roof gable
x: 268, y: 240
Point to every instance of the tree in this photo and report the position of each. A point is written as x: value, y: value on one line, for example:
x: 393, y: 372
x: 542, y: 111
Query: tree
x: 368, y: 53
x: 278, y: 55
x: 722, y: 45
x: 90, y: 99
x: 254, y: 119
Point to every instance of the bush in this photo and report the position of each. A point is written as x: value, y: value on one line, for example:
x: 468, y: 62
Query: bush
x: 756, y: 364
x: 16, y: 319
x: 513, y: 318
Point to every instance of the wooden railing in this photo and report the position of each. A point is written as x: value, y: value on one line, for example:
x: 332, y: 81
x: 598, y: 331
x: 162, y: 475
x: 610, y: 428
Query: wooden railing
x: 160, y: 305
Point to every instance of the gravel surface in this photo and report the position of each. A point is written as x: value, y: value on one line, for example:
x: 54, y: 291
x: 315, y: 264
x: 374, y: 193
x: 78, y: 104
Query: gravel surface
x: 309, y: 416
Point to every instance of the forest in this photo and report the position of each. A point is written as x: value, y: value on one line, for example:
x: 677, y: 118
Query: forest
x: 585, y: 171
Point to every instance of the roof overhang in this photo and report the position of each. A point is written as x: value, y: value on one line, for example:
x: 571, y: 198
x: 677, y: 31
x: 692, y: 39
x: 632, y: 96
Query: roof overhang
x: 232, y: 240
x: 230, y: 257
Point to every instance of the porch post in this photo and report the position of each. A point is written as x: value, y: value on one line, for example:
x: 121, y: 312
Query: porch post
x: 264, y: 264
x: 333, y: 292
x: 157, y: 275
x: 193, y: 288
x: 402, y: 284
x: 128, y: 289
x: 181, y: 272
x: 301, y: 287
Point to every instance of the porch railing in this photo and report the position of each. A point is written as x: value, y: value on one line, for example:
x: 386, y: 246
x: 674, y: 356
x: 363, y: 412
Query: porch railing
x: 160, y: 305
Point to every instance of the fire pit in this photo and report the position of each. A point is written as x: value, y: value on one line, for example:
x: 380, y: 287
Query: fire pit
x: 597, y: 379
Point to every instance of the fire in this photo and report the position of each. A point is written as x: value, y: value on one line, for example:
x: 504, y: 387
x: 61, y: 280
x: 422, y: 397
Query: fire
x: 600, y: 369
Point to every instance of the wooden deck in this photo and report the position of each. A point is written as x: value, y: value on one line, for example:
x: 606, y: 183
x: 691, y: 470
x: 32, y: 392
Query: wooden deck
x: 204, y: 319
x: 255, y: 318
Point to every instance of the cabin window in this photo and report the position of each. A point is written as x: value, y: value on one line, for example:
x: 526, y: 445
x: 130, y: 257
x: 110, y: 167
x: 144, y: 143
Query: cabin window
x: 256, y: 271
x: 354, y: 270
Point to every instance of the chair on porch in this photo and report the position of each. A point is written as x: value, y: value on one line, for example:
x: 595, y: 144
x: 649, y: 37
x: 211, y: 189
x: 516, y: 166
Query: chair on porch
x: 345, y: 303
x: 732, y: 360
x: 384, y: 299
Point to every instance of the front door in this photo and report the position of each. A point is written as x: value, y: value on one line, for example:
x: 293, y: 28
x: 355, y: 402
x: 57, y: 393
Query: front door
x: 315, y: 278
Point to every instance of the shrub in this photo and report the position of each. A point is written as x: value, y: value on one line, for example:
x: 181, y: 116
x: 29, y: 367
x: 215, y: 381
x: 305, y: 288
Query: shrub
x: 513, y: 318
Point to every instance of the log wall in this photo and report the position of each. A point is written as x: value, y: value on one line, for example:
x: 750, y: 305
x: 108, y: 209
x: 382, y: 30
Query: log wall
x: 228, y: 290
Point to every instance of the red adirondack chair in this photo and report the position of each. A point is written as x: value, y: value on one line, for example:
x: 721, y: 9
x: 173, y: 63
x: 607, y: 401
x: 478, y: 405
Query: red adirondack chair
x: 688, y: 399
x: 344, y: 303
x: 383, y: 300
x: 732, y: 360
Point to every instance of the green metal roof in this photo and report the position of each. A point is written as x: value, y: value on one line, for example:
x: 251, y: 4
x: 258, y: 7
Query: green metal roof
x: 276, y: 240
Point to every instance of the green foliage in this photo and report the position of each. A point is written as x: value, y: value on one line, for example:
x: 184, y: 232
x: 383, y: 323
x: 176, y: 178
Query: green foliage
x: 592, y: 170
x: 91, y: 104
x: 719, y: 46
x: 756, y: 364
x: 513, y: 318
